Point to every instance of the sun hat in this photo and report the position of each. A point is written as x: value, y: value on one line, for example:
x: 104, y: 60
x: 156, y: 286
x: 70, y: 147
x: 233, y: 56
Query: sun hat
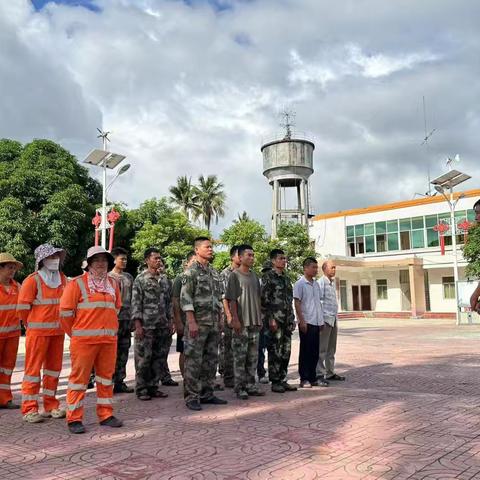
x: 46, y: 250
x: 9, y: 258
x: 92, y: 251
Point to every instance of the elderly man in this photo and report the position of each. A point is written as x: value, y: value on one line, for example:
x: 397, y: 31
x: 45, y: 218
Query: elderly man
x: 328, y: 336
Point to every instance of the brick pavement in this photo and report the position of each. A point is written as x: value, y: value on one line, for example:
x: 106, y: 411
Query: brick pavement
x: 409, y: 410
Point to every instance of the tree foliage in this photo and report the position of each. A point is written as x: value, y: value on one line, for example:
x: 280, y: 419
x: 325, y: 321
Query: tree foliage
x: 471, y: 252
x: 46, y: 197
x: 210, y: 199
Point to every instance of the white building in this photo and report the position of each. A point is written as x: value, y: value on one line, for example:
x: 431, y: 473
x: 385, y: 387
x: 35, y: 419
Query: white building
x: 389, y: 258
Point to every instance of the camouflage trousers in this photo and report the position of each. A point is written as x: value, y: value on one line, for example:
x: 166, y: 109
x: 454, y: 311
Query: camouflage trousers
x: 150, y: 358
x: 279, y: 346
x: 124, y: 342
x: 225, y: 356
x: 245, y: 357
x: 201, y: 357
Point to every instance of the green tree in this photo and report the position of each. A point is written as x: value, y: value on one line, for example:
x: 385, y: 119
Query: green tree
x: 211, y: 199
x: 471, y: 252
x: 184, y: 196
x: 46, y: 197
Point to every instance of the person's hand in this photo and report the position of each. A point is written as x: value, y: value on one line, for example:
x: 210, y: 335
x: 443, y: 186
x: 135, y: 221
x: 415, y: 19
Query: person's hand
x: 229, y: 319
x: 139, y: 331
x: 302, y: 326
x: 236, y: 325
x: 272, y: 324
x: 172, y: 329
x: 193, y: 329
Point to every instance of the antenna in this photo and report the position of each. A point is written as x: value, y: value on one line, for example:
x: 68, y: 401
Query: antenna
x: 288, y: 122
x: 426, y: 138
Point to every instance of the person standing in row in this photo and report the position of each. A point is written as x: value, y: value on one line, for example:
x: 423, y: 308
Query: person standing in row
x: 38, y: 307
x: 306, y: 294
x: 89, y: 314
x: 262, y: 341
x: 152, y: 327
x: 243, y: 296
x: 226, y: 353
x: 201, y: 300
x: 165, y: 375
x: 178, y: 314
x: 9, y: 327
x: 277, y: 299
x: 124, y: 336
x: 328, y: 336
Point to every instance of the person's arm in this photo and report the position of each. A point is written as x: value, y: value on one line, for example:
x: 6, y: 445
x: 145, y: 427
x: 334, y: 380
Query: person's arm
x: 232, y: 292
x: 176, y: 310
x: 137, y: 307
x: 68, y: 306
x: 474, y: 303
x: 186, y: 302
x: 26, y: 296
x: 266, y: 296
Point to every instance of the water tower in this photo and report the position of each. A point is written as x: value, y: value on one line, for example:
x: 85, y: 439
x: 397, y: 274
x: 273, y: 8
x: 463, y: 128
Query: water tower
x: 288, y: 164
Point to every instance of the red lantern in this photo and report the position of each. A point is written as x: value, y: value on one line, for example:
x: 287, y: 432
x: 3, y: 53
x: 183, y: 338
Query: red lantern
x: 465, y: 225
x: 112, y: 218
x: 442, y: 228
x: 96, y: 221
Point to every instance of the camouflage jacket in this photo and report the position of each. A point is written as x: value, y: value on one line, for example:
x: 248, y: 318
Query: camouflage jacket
x: 152, y: 301
x: 277, y: 298
x: 125, y: 283
x: 225, y: 275
x: 202, y: 292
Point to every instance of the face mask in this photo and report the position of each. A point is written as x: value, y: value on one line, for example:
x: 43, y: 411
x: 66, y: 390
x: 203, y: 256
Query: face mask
x: 52, y: 264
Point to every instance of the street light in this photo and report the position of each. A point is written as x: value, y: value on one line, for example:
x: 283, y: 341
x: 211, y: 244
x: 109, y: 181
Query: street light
x: 443, y: 185
x: 120, y: 171
x: 105, y: 159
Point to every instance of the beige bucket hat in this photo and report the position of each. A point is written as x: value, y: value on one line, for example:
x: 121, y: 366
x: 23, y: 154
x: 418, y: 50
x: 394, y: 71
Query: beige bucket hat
x: 9, y: 258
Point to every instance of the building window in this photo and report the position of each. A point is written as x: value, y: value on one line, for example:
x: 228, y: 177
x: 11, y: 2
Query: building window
x: 404, y: 240
x: 392, y: 241
x: 360, y: 245
x: 432, y: 238
x: 417, y: 239
x: 382, y: 290
x: 370, y: 244
x: 448, y: 284
x: 381, y: 243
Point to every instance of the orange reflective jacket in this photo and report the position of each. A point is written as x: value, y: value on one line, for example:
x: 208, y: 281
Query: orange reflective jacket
x: 90, y: 317
x: 38, y: 306
x: 9, y: 320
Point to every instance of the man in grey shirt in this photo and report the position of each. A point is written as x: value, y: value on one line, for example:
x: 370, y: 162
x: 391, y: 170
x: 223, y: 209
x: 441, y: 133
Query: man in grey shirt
x: 328, y: 336
x: 243, y: 296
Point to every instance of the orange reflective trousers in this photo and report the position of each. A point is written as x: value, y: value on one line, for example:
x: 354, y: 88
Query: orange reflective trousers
x: 47, y: 353
x: 8, y: 358
x: 84, y: 356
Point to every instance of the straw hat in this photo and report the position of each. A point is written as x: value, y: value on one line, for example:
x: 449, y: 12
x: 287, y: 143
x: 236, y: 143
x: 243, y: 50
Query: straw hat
x: 9, y: 258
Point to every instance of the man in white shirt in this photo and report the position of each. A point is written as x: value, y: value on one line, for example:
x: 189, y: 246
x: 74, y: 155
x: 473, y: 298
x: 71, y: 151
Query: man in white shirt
x: 306, y: 295
x: 328, y: 336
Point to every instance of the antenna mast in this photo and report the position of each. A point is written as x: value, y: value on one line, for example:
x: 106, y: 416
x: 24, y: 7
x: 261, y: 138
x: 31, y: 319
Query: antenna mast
x: 288, y: 123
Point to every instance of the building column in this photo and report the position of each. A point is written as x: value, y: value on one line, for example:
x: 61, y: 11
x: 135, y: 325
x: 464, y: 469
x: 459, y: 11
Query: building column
x: 275, y: 207
x: 417, y: 289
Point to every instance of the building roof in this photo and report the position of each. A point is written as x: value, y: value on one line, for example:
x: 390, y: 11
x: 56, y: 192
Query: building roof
x: 395, y: 205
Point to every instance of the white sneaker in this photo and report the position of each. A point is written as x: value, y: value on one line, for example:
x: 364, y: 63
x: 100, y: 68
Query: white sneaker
x: 33, y: 417
x: 263, y: 380
x: 305, y: 384
x: 55, y: 413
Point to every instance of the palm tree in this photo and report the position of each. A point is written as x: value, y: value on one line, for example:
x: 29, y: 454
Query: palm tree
x: 210, y: 199
x: 243, y: 217
x: 183, y: 195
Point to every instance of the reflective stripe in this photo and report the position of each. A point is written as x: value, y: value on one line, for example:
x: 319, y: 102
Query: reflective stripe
x: 51, y: 373
x: 75, y: 405
x: 4, y: 387
x: 48, y: 393
x: 77, y: 386
x: 44, y: 325
x: 6, y: 371
x: 67, y: 313
x: 104, y: 401
x: 94, y: 333
x: 103, y: 381
x: 23, y: 306
x: 12, y: 328
x: 46, y: 301
x: 8, y: 307
x: 96, y: 305
x: 26, y: 398
x: 30, y: 378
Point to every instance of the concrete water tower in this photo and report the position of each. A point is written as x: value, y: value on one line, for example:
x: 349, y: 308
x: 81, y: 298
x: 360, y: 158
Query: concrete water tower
x: 288, y: 164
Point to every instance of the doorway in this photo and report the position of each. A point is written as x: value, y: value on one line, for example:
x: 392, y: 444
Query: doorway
x: 356, y: 298
x: 366, y: 298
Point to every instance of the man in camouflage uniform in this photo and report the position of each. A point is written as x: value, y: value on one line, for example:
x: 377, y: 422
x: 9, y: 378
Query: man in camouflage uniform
x: 262, y: 341
x: 225, y: 362
x: 201, y: 300
x: 124, y: 335
x: 277, y: 300
x: 153, y: 326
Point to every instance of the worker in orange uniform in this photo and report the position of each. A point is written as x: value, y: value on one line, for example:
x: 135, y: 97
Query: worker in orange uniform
x: 89, y: 314
x: 9, y: 326
x: 38, y: 307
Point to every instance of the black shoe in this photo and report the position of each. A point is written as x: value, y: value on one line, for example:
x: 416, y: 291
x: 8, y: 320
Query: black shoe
x: 122, y: 388
x: 288, y: 387
x: 158, y: 394
x: 193, y: 405
x: 213, y: 400
x: 319, y: 383
x: 278, y: 388
x: 76, y: 427
x: 113, y: 422
x: 255, y: 393
x: 336, y: 377
x: 91, y: 384
x: 144, y: 397
x: 170, y: 383
x: 9, y: 406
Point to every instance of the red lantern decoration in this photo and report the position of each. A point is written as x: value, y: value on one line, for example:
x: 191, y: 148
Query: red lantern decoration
x: 96, y: 221
x: 112, y: 218
x: 465, y: 225
x: 442, y: 228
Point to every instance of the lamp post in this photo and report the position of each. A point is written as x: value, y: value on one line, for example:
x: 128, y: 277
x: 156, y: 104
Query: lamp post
x: 105, y: 159
x: 444, y: 185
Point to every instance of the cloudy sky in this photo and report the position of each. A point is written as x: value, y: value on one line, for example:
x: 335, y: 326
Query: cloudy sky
x: 196, y: 86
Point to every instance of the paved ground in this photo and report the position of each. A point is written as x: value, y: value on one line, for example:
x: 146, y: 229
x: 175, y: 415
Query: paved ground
x: 410, y: 409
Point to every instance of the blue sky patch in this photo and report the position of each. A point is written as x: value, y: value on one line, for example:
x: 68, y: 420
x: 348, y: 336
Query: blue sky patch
x: 89, y: 4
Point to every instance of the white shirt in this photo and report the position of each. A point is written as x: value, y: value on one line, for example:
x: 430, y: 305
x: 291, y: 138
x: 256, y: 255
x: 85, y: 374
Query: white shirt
x: 309, y: 295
